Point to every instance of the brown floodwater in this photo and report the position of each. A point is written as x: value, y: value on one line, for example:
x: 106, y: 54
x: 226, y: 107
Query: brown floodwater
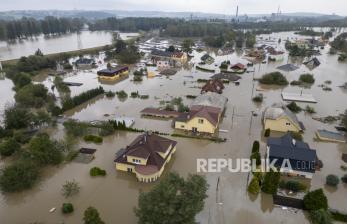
x: 116, y: 195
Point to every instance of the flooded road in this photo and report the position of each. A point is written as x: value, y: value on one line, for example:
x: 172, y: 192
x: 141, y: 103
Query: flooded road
x: 115, y: 195
x: 57, y: 44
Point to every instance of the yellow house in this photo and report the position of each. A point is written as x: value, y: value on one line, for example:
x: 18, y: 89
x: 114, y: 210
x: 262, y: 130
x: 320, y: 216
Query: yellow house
x: 280, y: 118
x: 146, y: 156
x: 113, y: 73
x: 200, y: 119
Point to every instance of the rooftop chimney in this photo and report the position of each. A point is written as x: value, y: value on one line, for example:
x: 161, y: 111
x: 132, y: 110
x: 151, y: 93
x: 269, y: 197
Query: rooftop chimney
x: 294, y: 142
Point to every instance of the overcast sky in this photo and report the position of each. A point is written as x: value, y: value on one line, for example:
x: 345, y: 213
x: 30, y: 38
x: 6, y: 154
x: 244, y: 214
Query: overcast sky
x: 212, y: 6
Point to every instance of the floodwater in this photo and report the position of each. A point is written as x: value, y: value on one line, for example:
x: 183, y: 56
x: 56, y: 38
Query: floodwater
x: 6, y: 95
x: 57, y: 44
x: 116, y: 195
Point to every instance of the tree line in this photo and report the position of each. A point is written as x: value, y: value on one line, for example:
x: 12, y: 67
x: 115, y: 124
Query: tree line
x: 28, y: 27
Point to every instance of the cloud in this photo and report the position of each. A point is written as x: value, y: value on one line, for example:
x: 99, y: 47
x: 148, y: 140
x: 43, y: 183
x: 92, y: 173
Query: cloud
x: 213, y: 6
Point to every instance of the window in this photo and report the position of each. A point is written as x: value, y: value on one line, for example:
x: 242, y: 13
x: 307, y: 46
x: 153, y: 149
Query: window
x: 201, y: 121
x: 287, y: 123
x: 182, y: 126
x: 136, y: 161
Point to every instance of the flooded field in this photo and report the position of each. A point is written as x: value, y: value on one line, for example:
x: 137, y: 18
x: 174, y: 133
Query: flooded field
x: 115, y: 195
x: 57, y: 44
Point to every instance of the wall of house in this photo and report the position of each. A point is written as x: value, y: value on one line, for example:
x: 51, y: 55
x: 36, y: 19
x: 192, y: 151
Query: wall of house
x: 142, y: 160
x: 281, y: 125
x: 205, y: 127
x: 124, y: 167
x: 115, y: 77
x: 155, y: 176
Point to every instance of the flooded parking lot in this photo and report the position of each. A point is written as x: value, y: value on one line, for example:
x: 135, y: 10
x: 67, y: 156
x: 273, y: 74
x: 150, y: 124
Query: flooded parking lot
x: 115, y: 195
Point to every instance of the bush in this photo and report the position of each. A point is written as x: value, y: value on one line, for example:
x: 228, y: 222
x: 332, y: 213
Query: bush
x: 294, y: 186
x: 294, y: 107
x: 96, y: 171
x: 307, y: 78
x: 295, y: 83
x: 70, y: 188
x: 337, y: 216
x: 267, y: 132
x: 332, y: 180
x: 344, y: 179
x: 9, y: 146
x: 122, y: 94
x: 274, y: 78
x: 110, y: 94
x: 271, y: 182
x: 19, y: 176
x: 134, y: 94
x: 67, y: 208
x: 255, y: 147
x: 258, y: 99
x: 91, y: 216
x: 70, y: 103
x: 320, y: 216
x: 315, y: 200
x: 137, y: 78
x: 254, y: 186
x: 310, y: 110
x: 257, y: 157
x: 93, y: 138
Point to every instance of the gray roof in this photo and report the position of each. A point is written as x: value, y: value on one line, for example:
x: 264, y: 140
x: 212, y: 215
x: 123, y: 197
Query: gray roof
x: 288, y: 148
x: 211, y: 99
x: 279, y: 110
x: 288, y: 67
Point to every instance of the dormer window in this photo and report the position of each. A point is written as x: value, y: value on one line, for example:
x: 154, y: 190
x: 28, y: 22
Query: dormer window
x: 137, y: 161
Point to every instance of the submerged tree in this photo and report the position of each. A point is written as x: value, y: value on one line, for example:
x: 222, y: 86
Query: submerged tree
x: 174, y: 200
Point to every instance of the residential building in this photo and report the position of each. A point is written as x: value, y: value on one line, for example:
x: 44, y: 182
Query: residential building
x: 200, y: 119
x: 238, y: 68
x: 163, y: 65
x: 206, y: 58
x: 146, y: 156
x: 113, y: 73
x: 291, y: 157
x: 213, y: 85
x: 175, y: 58
x: 85, y: 63
x: 280, y: 118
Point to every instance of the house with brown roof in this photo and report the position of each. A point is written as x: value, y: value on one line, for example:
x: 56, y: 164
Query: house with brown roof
x: 213, y: 85
x: 200, y: 119
x: 146, y: 156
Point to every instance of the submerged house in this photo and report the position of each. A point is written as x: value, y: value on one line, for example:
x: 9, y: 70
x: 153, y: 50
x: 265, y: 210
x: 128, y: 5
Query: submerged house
x: 280, y: 118
x: 291, y: 157
x: 146, y: 156
x: 275, y: 55
x: 312, y: 63
x: 206, y: 58
x: 238, y: 68
x: 175, y: 58
x: 200, y: 119
x: 211, y: 99
x: 85, y: 63
x: 213, y: 85
x: 113, y: 73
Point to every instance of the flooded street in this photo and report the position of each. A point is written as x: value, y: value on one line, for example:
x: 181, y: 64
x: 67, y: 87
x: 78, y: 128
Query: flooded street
x: 116, y: 195
x: 57, y: 44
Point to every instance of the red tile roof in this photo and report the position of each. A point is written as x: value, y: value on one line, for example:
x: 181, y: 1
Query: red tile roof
x: 238, y: 66
x: 209, y: 113
x: 213, y: 85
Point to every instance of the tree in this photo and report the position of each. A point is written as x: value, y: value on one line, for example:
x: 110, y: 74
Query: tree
x: 21, y: 79
x: 19, y: 176
x: 67, y: 208
x: 120, y: 46
x: 271, y: 182
x: 255, y: 147
x: 254, y: 186
x: 320, y: 216
x: 274, y: 78
x: 32, y: 95
x: 70, y: 188
x: 344, y: 119
x: 315, y: 200
x: 45, y: 151
x: 9, y: 146
x: 187, y: 45
x: 344, y: 179
x: 17, y: 118
x: 91, y: 216
x: 171, y: 48
x: 174, y: 200
x: 38, y: 52
x: 332, y: 180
